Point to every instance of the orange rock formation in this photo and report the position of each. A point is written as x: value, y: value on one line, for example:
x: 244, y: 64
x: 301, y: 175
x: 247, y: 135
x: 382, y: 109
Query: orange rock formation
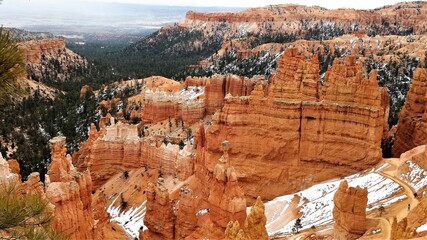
x: 39, y: 53
x: 70, y: 192
x: 254, y: 227
x: 218, y: 86
x: 159, y: 218
x: 201, y: 208
x: 117, y: 148
x: 327, y: 132
x: 350, y: 212
x: 412, y: 124
x: 34, y: 49
x: 291, y: 15
x: 226, y: 199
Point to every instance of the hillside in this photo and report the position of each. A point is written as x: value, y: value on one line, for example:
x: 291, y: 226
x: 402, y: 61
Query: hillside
x: 22, y: 35
x: 49, y: 102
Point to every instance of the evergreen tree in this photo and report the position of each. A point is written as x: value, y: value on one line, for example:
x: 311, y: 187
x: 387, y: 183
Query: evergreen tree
x: 11, y: 67
x: 297, y: 226
x: 25, y: 216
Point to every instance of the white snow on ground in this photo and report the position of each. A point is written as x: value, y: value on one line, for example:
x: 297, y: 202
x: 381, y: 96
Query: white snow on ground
x: 131, y: 220
x: 192, y: 92
x: 421, y: 228
x: 416, y: 176
x: 316, y: 202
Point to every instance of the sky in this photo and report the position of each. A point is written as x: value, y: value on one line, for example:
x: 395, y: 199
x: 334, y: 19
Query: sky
x: 331, y: 4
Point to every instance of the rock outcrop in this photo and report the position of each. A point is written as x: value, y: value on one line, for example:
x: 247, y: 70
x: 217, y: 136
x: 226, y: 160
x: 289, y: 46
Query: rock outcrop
x: 118, y: 147
x: 197, y: 208
x: 34, y: 49
x: 349, y: 212
x: 226, y: 199
x: 70, y: 192
x: 412, y: 124
x: 218, y: 86
x: 255, y: 222
x: 160, y: 218
x: 67, y: 190
x: 6, y: 173
x: 331, y: 131
x: 186, y: 214
x: 199, y: 97
x: 254, y: 227
x: 184, y: 105
x: 40, y: 55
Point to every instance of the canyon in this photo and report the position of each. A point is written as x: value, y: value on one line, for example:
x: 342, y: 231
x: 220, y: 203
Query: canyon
x: 191, y: 185
x: 293, y: 108
x: 296, y: 153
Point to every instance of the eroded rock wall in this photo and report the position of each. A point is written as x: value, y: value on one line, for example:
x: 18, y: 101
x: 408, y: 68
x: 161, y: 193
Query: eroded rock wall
x: 293, y: 134
x: 70, y: 192
x: 117, y: 148
x: 412, y: 124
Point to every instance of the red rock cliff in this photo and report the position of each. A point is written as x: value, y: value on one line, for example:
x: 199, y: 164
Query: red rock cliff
x: 117, y: 148
x: 33, y: 50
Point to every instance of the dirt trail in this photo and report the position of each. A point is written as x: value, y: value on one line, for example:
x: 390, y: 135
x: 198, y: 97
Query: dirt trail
x: 385, y: 227
x: 409, y: 191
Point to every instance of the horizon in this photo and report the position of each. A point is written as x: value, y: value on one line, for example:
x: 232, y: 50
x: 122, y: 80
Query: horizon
x: 329, y: 4
x: 132, y: 15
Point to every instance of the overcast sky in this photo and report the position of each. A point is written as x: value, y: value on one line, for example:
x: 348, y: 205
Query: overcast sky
x: 360, y: 4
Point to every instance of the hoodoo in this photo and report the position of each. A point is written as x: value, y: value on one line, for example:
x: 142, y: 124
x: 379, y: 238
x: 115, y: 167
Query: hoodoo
x: 412, y: 126
x: 350, y: 212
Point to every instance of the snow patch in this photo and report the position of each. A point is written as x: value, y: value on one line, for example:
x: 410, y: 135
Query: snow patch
x: 131, y: 220
x: 316, y: 202
x: 202, y: 211
x: 421, y: 228
x: 416, y: 176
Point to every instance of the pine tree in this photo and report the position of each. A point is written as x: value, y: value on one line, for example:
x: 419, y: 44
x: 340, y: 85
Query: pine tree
x: 11, y: 67
x: 25, y: 216
x: 297, y: 226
